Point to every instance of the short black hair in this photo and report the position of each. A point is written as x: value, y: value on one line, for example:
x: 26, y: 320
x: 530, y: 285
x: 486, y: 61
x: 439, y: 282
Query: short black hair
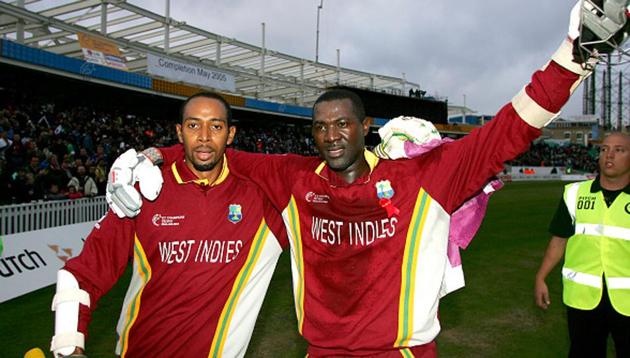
x: 209, y: 95
x: 339, y: 95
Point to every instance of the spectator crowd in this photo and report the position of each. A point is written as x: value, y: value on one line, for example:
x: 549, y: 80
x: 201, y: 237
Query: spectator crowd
x: 574, y: 157
x: 51, y: 153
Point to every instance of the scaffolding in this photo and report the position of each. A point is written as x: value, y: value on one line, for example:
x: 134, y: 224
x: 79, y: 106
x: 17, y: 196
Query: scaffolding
x: 607, y: 96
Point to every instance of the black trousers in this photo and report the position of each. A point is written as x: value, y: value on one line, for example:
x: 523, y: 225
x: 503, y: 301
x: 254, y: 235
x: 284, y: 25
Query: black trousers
x: 589, y: 330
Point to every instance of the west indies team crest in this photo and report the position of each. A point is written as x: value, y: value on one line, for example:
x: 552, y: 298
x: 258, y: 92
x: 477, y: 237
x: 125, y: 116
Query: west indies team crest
x: 384, y: 189
x: 385, y: 192
x: 235, y: 214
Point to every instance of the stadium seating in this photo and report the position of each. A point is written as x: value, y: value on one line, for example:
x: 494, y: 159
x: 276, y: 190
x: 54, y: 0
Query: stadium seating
x: 42, y: 145
x: 574, y: 157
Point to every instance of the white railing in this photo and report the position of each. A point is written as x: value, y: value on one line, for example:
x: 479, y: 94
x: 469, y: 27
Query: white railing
x: 40, y: 215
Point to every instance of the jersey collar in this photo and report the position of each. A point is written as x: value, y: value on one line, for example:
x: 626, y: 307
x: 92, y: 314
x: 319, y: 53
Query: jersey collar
x: 183, y: 175
x: 335, y: 180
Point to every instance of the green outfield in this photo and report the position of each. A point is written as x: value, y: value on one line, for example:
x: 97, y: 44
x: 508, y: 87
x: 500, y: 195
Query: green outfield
x: 494, y: 316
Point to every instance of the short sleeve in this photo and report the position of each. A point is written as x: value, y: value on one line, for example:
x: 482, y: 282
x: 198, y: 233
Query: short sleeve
x: 562, y: 225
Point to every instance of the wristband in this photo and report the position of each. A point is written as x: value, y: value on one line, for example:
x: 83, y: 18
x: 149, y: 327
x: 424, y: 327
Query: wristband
x: 154, y: 155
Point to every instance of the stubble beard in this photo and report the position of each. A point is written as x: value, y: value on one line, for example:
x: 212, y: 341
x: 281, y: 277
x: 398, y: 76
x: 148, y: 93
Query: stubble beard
x: 205, y: 167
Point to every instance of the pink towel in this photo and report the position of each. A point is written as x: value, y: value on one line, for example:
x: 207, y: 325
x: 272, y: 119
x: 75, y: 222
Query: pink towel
x: 466, y: 220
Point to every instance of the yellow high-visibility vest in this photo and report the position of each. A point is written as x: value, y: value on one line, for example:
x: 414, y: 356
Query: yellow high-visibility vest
x: 599, y: 247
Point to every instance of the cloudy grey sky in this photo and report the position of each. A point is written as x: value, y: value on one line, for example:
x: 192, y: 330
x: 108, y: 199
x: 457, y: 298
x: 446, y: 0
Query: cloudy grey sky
x: 483, y: 49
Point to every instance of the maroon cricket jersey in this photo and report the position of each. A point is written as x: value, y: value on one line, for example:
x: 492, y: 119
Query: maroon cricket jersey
x: 202, y: 255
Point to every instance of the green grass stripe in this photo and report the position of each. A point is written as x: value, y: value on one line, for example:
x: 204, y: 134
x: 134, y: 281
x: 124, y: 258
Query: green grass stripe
x: 239, y: 287
x: 143, y: 267
x: 298, y: 249
x: 406, y: 353
x: 410, y: 261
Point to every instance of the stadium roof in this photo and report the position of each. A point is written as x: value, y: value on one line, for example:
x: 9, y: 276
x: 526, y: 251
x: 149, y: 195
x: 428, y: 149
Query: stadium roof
x: 258, y: 72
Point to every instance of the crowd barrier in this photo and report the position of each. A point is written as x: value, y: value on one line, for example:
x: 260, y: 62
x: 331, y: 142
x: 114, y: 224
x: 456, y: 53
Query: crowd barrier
x: 530, y: 173
x: 41, y: 215
x: 38, y: 238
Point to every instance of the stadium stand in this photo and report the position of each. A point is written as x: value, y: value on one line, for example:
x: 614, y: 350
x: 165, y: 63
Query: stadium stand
x: 53, y: 146
x: 574, y: 157
x: 46, y: 135
x: 51, y: 151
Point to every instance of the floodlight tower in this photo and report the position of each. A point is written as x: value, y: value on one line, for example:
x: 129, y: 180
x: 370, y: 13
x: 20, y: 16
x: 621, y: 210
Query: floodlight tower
x: 319, y: 8
x: 167, y: 27
x: 606, y: 94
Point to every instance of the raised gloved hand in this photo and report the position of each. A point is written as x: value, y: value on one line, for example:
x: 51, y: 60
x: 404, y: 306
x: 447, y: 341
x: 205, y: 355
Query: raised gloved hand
x: 598, y: 27
x: 403, y: 129
x: 128, y: 169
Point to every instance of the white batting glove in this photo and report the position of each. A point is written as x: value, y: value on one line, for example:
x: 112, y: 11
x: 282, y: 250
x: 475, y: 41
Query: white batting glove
x: 598, y: 28
x: 128, y: 169
x: 401, y: 129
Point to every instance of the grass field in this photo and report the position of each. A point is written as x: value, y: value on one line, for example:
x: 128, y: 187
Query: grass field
x: 494, y: 316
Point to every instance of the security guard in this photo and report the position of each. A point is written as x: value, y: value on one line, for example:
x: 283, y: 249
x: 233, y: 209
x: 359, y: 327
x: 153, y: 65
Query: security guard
x: 595, y: 217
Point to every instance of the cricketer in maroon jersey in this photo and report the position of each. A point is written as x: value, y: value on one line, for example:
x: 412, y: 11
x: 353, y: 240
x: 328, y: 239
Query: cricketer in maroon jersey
x: 203, y: 253
x: 369, y: 237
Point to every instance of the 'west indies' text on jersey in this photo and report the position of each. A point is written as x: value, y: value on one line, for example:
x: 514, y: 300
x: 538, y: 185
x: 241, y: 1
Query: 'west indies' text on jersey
x: 202, y: 255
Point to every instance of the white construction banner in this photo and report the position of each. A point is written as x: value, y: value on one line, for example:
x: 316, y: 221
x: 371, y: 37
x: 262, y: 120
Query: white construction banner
x: 30, y: 260
x: 184, y: 72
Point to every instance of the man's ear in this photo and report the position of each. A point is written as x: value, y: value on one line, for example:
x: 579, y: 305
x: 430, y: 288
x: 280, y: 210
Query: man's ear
x: 231, y: 134
x: 178, y: 128
x: 367, y: 122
